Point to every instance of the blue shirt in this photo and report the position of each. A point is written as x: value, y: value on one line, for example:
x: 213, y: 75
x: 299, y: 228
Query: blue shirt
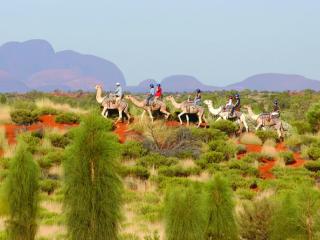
x: 118, y: 91
x: 152, y: 91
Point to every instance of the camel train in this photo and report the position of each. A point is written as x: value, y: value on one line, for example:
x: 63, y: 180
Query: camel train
x: 186, y: 108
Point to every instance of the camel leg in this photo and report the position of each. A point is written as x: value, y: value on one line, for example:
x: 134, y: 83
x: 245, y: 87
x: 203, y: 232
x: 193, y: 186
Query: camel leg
x: 142, y: 115
x: 243, y: 120
x: 120, y: 117
x: 179, y: 116
x: 187, y: 117
x: 205, y: 120
x: 218, y: 118
x: 150, y: 115
x: 258, y: 127
x: 200, y: 120
x: 128, y: 115
x: 104, y: 111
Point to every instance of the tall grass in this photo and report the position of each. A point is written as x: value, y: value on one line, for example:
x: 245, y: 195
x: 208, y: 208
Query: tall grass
x: 92, y: 186
x: 47, y: 103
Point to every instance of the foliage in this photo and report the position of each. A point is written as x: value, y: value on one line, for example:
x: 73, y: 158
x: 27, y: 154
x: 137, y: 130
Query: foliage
x: 313, y: 116
x: 221, y: 223
x: 225, y: 126
x: 22, y: 190
x: 255, y: 218
x: 287, y: 157
x: 241, y: 148
x: 206, y: 135
x: 156, y: 160
x: 228, y: 150
x: 68, y: 117
x: 92, y: 186
x: 302, y: 126
x: 314, y: 151
x: 49, y: 185
x: 210, y: 157
x: 58, y: 140
x: 250, y: 138
x: 137, y: 171
x: 266, y: 134
x: 313, y: 166
x: 177, y: 171
x: 294, y: 142
x: 31, y: 141
x: 184, y: 218
x: 133, y: 149
x: 24, y: 116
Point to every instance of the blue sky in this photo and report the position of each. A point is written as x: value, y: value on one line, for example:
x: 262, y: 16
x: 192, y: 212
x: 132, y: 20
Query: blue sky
x: 219, y: 42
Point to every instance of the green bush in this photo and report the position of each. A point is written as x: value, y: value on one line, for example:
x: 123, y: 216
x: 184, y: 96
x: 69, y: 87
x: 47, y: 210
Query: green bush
x: 49, y: 185
x: 206, y: 135
x: 177, y: 171
x: 314, y: 152
x: 69, y: 118
x: 133, y: 149
x: 31, y: 141
x: 24, y: 116
x: 241, y: 148
x: 47, y: 111
x: 266, y: 134
x: 294, y: 142
x: 136, y: 171
x: 313, y: 166
x: 227, y: 149
x: 287, y: 157
x: 313, y: 116
x: 225, y: 126
x: 58, y: 140
x: 213, y: 157
x: 302, y: 127
x: 156, y: 160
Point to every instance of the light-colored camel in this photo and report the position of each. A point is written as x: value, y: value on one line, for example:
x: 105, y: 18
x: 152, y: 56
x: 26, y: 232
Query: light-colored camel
x: 188, y: 108
x: 264, y: 120
x: 155, y: 106
x: 240, y: 117
x: 107, y: 103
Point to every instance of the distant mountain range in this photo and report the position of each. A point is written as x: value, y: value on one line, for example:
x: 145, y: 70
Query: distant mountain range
x: 34, y: 65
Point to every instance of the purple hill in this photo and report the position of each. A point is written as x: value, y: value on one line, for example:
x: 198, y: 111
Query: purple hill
x: 35, y: 65
x: 275, y: 82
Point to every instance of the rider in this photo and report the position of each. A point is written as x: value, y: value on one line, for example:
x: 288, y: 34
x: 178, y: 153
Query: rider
x: 158, y: 93
x: 236, y: 105
x: 151, y: 94
x: 118, y: 92
x: 229, y: 104
x: 197, y: 98
x: 276, y: 109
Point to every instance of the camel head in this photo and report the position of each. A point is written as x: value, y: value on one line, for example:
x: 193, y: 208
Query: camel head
x: 127, y: 96
x: 98, y: 86
x: 207, y: 102
x: 169, y: 97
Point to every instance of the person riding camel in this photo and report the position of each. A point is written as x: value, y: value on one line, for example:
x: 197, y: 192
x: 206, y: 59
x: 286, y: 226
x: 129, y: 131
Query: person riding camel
x: 229, y: 104
x: 236, y: 106
x: 150, y: 95
x: 118, y: 92
x: 158, y: 94
x: 276, y: 109
x: 197, y: 98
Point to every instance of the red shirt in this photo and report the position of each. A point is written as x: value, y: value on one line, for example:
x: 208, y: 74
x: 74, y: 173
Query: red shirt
x: 158, y: 92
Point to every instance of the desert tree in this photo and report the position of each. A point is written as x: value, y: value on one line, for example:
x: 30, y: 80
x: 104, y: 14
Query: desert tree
x: 221, y: 223
x: 22, y: 194
x: 92, y: 186
x: 184, y: 218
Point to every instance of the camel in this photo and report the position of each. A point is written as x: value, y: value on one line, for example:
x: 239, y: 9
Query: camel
x: 264, y: 120
x: 108, y: 103
x: 155, y: 106
x: 240, y: 117
x: 188, y: 108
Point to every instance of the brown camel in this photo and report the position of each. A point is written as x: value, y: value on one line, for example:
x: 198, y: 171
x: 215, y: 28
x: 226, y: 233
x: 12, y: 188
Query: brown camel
x: 188, y: 108
x: 155, y: 106
x: 264, y: 120
x: 111, y: 103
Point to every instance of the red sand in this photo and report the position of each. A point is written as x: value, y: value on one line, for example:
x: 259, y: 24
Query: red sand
x: 121, y: 129
x: 12, y: 130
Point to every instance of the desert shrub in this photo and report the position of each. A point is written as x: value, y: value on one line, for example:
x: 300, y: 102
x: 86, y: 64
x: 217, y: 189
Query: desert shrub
x: 68, y: 117
x: 22, y: 194
x: 136, y: 171
x: 241, y: 149
x: 255, y: 218
x: 24, y: 116
x: 177, y: 171
x: 156, y: 160
x: 47, y: 111
x: 212, y: 157
x: 313, y: 166
x: 266, y: 134
x: 154, y: 236
x: 5, y: 162
x: 252, y: 157
x: 227, y: 149
x: 250, y: 138
x: 184, y: 219
x: 269, y: 152
x: 246, y: 194
x: 206, y: 135
x: 314, y: 152
x: 221, y: 223
x: 93, y: 188
x: 287, y: 157
x: 49, y: 185
x: 133, y: 149
x: 313, y: 116
x: 58, y: 140
x: 294, y: 142
x: 225, y: 126
x: 3, y: 98
x: 246, y: 168
x: 302, y: 126
x: 38, y: 133
x: 31, y: 141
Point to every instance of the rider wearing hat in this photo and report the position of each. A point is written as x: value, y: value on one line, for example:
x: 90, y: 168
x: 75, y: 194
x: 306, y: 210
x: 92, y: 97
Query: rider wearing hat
x: 229, y: 104
x: 276, y: 109
x: 151, y: 94
x: 197, y: 98
x: 158, y: 93
x: 236, y: 105
x: 118, y: 92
